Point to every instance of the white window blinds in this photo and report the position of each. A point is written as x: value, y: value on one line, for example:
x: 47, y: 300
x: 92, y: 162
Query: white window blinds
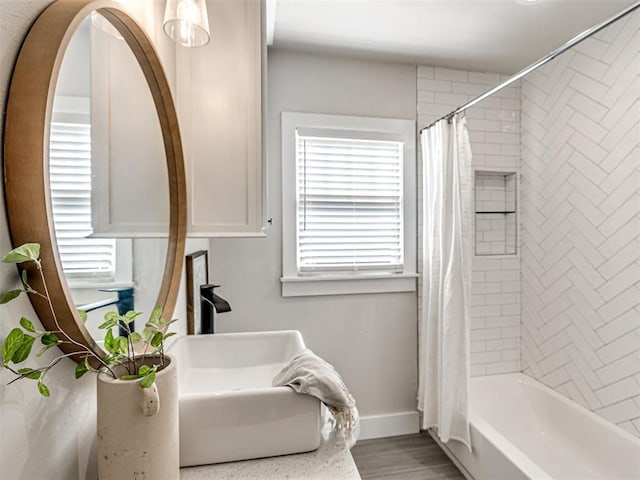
x: 70, y: 176
x: 349, y: 205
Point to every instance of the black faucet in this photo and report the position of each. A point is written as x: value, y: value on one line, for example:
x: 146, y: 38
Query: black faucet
x: 209, y: 304
x: 124, y: 301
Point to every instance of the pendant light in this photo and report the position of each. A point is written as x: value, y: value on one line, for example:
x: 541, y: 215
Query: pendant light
x: 187, y: 22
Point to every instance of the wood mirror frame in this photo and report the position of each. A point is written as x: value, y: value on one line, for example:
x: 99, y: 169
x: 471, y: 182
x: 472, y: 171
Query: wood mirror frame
x: 26, y: 153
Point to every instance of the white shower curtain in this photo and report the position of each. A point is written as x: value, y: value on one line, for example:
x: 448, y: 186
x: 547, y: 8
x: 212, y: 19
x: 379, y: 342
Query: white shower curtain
x: 446, y: 279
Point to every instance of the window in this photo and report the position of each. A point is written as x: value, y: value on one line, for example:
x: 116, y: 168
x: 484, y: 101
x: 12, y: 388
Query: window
x: 348, y: 204
x: 86, y: 260
x: 70, y: 176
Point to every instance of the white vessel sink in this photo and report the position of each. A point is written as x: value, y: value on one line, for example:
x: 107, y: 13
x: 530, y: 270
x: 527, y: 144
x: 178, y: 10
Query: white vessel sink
x: 229, y: 410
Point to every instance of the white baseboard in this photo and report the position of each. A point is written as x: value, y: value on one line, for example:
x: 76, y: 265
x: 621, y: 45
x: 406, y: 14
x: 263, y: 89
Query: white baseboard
x: 379, y: 426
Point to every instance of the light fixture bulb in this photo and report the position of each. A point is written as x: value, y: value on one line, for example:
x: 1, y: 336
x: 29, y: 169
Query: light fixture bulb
x: 187, y: 22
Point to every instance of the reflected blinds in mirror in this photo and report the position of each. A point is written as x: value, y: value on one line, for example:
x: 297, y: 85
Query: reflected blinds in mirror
x: 70, y: 175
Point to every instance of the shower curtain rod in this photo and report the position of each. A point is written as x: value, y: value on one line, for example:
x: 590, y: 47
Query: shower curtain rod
x: 550, y: 56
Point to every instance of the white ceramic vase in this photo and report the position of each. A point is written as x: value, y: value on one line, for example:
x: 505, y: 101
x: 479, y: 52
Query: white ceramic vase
x: 138, y: 436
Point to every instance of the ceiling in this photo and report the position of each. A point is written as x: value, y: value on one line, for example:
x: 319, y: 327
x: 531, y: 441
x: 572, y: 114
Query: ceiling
x: 484, y: 35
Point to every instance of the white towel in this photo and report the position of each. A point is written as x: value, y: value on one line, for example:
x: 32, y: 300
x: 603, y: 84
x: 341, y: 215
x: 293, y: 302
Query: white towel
x: 309, y: 374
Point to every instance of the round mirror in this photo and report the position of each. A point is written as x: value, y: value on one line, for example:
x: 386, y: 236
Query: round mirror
x: 93, y: 167
x: 107, y: 177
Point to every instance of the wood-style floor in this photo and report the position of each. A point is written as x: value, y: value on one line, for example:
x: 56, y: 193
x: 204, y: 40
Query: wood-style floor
x: 408, y: 457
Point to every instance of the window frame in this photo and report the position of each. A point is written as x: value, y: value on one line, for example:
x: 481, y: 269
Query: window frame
x: 332, y: 283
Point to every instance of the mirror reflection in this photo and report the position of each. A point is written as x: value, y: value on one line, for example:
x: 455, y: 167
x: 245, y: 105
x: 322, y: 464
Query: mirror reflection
x: 108, y: 177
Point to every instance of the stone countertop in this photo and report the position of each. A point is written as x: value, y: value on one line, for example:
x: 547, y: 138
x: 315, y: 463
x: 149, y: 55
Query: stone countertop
x: 331, y: 461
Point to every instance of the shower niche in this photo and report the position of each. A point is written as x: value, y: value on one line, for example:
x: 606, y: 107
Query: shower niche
x: 495, y: 213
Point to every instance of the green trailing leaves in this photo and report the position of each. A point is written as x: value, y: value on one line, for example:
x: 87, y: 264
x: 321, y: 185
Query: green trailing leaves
x: 11, y: 344
x: 82, y: 368
x: 146, y: 375
x: 109, y: 359
x: 149, y: 378
x: 30, y: 373
x: 120, y: 348
x: 108, y: 324
x: 24, y: 350
x: 135, y: 337
x: 49, y: 339
x: 24, y: 253
x: 25, y: 282
x: 6, y: 297
x: 131, y: 315
x: 109, y: 342
x: 17, y: 346
x: 157, y: 339
x: 27, y: 325
x: 122, y: 345
x: 43, y: 389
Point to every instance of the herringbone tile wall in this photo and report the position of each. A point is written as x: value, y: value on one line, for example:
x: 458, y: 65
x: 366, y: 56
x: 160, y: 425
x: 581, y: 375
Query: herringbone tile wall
x: 580, y: 220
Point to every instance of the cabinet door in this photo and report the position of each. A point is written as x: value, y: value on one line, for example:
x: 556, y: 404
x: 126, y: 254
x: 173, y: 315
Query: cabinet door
x: 130, y: 193
x: 219, y: 92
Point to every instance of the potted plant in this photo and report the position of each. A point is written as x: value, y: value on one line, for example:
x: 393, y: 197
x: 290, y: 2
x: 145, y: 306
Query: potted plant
x: 136, y: 438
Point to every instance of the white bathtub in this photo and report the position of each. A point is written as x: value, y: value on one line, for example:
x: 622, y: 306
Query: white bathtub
x: 521, y: 429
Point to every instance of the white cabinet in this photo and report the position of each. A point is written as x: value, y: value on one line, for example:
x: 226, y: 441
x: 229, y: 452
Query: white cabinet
x: 219, y: 89
x: 130, y: 188
x: 130, y: 191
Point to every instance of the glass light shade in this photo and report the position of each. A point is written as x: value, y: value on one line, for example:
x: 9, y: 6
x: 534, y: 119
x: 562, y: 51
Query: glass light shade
x: 187, y: 22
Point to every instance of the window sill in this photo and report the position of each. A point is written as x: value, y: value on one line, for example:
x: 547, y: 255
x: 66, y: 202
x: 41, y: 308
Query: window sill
x: 92, y: 284
x: 347, y: 284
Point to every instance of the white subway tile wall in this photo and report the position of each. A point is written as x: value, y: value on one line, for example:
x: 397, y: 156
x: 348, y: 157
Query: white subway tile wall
x: 494, y: 131
x: 581, y: 224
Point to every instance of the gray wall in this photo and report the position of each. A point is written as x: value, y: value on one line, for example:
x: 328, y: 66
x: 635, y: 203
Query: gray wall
x: 41, y: 438
x: 370, y: 339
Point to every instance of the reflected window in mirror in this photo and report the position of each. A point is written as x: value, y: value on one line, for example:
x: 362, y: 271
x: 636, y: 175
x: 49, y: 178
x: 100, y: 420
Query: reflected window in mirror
x: 89, y: 261
x: 85, y: 259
